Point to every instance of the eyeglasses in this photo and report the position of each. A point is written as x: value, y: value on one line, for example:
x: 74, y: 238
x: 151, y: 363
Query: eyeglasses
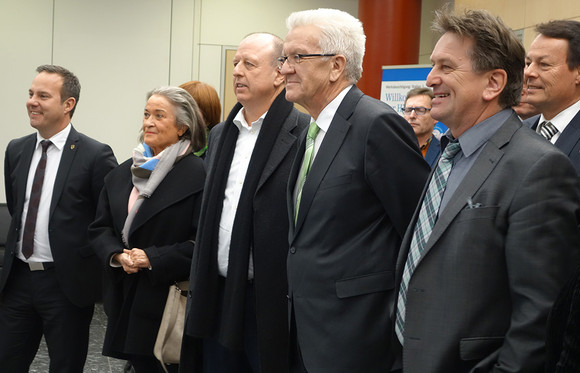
x: 295, y: 59
x: 418, y: 110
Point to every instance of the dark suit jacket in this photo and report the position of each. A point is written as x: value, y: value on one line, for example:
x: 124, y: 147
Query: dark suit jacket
x: 356, y: 203
x: 478, y: 300
x: 79, y: 180
x: 165, y: 228
x: 433, y: 152
x: 563, y: 340
x: 270, y: 239
x: 568, y: 141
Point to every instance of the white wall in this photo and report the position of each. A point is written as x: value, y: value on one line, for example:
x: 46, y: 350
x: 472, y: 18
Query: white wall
x: 121, y: 49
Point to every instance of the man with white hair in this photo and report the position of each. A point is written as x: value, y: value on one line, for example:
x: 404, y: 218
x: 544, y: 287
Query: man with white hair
x: 364, y: 177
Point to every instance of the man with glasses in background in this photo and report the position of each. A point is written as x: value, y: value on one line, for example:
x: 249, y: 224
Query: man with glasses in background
x: 417, y: 112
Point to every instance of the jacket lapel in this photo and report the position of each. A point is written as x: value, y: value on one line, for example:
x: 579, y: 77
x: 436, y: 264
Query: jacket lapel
x: 71, y: 147
x: 330, y: 146
x: 570, y: 137
x: 292, y: 180
x: 486, y: 162
x: 27, y: 151
x: 285, y: 138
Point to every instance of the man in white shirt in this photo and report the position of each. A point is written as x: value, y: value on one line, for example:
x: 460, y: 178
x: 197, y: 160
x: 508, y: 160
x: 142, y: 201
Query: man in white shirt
x: 552, y: 74
x: 238, y: 276
x: 51, y: 278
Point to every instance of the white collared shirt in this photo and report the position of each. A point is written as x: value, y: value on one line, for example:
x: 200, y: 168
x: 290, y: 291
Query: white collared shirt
x: 561, y: 120
x: 42, y: 252
x: 323, y: 122
x: 241, y: 161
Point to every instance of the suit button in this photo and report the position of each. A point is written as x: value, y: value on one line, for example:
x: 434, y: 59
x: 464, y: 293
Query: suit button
x: 292, y: 250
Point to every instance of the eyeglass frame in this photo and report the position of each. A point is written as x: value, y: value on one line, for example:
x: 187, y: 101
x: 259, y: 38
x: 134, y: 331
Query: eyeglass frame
x: 419, y: 110
x: 298, y: 58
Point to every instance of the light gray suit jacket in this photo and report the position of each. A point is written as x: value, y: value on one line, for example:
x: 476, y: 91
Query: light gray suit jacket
x: 479, y: 299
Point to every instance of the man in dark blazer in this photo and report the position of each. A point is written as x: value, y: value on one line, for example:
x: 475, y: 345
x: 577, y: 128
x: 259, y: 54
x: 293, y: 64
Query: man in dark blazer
x: 552, y: 74
x: 417, y: 112
x: 51, y: 290
x: 355, y: 203
x: 238, y: 275
x: 479, y: 270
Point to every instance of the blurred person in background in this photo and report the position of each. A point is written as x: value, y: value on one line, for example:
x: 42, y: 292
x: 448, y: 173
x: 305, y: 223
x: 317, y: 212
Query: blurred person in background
x: 208, y: 101
x: 417, y: 111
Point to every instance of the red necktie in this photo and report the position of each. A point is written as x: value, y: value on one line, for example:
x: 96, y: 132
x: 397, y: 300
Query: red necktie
x: 30, y: 224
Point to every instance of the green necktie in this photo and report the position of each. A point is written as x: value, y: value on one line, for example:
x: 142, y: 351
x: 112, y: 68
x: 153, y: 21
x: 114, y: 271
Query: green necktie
x: 306, y: 162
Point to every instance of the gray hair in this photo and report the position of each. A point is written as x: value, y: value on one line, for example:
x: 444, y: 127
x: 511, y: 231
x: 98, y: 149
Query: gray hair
x: 187, y: 114
x: 341, y: 34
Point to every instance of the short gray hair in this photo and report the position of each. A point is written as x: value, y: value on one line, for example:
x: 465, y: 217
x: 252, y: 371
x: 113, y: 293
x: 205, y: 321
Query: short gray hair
x: 187, y: 114
x: 341, y: 34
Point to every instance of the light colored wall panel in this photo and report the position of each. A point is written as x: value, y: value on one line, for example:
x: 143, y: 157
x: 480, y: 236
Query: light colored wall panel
x: 25, y: 43
x: 512, y: 12
x: 118, y: 57
x: 182, y: 29
x: 226, y: 22
x: 428, y: 37
x: 211, y: 63
x: 538, y: 11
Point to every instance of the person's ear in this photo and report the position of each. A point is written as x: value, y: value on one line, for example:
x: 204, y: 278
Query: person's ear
x: 280, y: 79
x: 496, y: 82
x: 338, y: 67
x: 69, y: 105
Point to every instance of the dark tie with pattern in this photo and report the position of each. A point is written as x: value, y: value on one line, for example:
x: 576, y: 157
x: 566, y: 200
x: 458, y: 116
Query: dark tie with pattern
x: 30, y: 224
x: 548, y: 130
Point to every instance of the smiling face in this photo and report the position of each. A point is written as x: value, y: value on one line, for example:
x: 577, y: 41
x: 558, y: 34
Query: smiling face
x: 458, y: 90
x: 48, y: 115
x: 552, y: 85
x: 159, y: 126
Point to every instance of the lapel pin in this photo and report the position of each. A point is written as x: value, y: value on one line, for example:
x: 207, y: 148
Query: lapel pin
x: 72, y: 147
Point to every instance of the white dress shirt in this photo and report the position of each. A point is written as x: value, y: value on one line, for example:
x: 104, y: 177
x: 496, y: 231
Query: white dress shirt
x: 42, y: 252
x: 561, y: 120
x: 241, y: 161
x: 323, y: 122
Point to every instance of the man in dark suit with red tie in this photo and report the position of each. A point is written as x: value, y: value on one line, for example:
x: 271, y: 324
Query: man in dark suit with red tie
x: 51, y: 278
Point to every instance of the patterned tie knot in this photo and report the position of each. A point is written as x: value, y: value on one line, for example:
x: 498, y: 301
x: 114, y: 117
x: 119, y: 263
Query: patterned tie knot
x: 451, y: 150
x: 548, y: 130
x: 313, y: 130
